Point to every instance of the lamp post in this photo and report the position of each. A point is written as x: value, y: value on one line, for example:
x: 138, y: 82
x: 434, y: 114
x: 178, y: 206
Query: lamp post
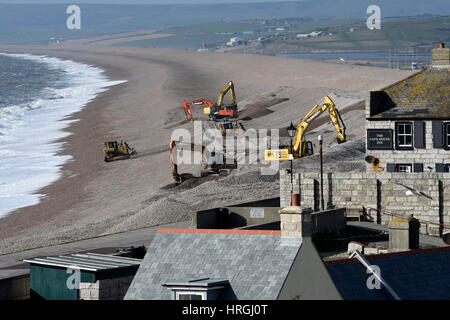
x: 321, y: 174
x: 291, y: 132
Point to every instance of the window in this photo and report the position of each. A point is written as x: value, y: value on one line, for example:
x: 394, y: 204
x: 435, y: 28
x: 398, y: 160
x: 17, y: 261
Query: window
x: 404, y: 168
x: 190, y: 296
x: 447, y: 168
x: 447, y: 135
x: 404, y: 133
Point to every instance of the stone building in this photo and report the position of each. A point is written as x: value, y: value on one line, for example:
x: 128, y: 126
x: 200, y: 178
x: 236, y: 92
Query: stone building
x: 407, y: 155
x: 408, y: 124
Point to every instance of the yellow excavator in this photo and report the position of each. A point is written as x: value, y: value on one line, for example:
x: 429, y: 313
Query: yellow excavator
x: 219, y: 111
x: 210, y: 162
x: 301, y: 147
x: 117, y: 151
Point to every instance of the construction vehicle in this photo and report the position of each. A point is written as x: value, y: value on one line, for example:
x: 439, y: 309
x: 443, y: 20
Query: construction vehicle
x: 301, y: 147
x: 210, y: 161
x: 197, y: 102
x: 223, y: 126
x: 117, y: 151
x: 220, y: 111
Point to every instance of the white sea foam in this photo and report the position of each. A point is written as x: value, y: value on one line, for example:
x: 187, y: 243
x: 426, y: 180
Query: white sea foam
x: 28, y: 151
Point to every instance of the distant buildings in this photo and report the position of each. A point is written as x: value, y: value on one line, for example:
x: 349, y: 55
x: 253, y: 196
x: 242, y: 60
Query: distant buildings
x: 312, y: 34
x: 236, y: 41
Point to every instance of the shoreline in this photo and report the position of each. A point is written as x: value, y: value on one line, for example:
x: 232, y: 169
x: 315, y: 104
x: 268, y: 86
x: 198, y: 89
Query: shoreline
x: 61, y: 99
x: 93, y: 198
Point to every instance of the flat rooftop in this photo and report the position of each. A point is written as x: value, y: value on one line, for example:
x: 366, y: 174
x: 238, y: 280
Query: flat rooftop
x: 87, y: 262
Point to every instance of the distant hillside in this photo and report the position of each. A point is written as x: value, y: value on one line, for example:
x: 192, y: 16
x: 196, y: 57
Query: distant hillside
x: 394, y: 34
x: 21, y: 23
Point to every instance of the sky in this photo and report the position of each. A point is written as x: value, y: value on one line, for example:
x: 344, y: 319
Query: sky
x: 140, y: 1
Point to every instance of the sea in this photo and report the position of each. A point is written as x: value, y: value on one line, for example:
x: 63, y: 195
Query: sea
x: 37, y: 95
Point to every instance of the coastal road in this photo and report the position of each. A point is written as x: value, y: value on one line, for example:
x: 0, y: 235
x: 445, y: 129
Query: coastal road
x: 12, y: 264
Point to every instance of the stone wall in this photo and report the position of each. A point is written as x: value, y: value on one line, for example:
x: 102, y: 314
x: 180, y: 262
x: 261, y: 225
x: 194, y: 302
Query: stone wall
x: 425, y: 195
x: 108, y: 289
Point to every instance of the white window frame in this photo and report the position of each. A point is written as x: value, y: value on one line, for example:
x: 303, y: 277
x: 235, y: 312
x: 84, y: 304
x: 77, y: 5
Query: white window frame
x: 406, y: 168
x: 198, y: 293
x: 405, y: 125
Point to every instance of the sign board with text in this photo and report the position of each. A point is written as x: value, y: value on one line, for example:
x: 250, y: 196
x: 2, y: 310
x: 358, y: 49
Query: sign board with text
x: 257, y: 213
x: 379, y: 139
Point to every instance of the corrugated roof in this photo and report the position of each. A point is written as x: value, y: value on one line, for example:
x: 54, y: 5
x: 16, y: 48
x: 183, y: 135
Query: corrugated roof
x: 413, y: 275
x: 255, y: 264
x: 88, y: 261
x: 423, y: 95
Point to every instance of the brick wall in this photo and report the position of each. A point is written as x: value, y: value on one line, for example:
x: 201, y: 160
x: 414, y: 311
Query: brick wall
x: 382, y: 191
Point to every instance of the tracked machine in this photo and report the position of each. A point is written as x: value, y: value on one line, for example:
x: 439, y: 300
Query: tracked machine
x: 117, y: 151
x: 227, y: 126
x: 214, y: 162
x: 301, y: 147
x: 220, y: 110
x: 197, y: 102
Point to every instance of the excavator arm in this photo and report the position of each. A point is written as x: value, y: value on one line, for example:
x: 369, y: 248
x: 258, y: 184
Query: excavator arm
x: 198, y: 102
x: 208, y: 160
x: 299, y: 145
x: 228, y: 87
x: 189, y: 146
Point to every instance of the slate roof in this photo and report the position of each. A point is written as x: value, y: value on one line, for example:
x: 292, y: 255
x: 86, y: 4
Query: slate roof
x: 413, y: 275
x: 254, y: 262
x: 423, y: 95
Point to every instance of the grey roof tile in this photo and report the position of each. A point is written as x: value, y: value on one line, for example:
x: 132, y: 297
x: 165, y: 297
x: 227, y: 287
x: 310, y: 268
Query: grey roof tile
x: 255, y: 265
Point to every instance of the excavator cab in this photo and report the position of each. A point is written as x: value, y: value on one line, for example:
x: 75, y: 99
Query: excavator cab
x: 219, y: 110
x: 309, y: 149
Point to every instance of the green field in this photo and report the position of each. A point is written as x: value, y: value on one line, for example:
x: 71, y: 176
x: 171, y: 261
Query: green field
x: 400, y: 33
x: 394, y: 34
x: 218, y: 33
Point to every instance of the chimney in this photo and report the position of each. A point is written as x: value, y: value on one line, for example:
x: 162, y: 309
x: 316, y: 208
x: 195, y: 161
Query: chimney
x: 441, y: 57
x: 295, y: 224
x: 404, y: 233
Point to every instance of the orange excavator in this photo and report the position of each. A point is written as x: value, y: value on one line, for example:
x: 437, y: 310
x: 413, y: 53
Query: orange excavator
x: 210, y: 162
x: 198, y: 102
x: 219, y: 110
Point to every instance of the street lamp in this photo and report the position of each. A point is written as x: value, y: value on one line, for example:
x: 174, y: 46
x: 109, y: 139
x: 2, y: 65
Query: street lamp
x: 321, y: 174
x: 291, y: 132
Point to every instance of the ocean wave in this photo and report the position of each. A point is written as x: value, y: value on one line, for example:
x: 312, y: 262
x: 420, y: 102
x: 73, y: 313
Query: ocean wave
x: 29, y: 157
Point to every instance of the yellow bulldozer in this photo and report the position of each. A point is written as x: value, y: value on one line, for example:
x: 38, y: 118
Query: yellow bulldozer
x: 117, y: 151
